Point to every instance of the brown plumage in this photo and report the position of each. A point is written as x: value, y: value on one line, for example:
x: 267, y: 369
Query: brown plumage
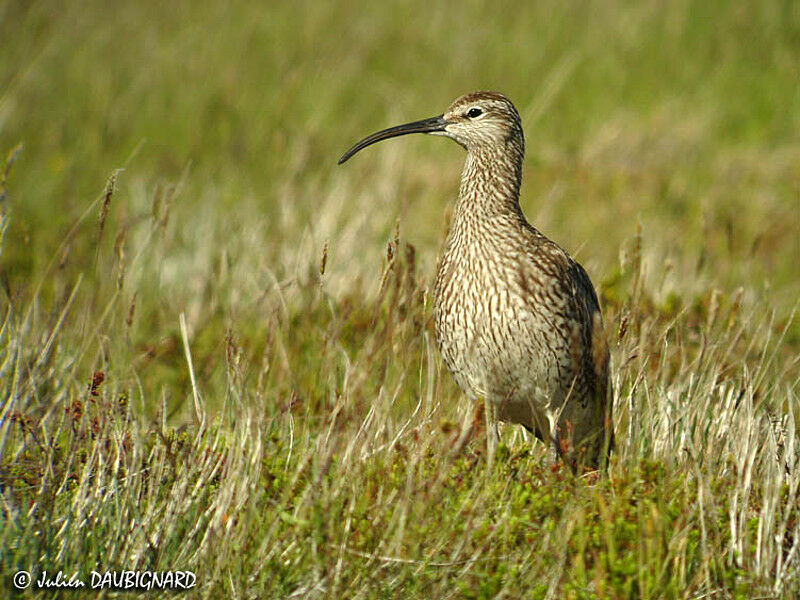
x: 517, y: 319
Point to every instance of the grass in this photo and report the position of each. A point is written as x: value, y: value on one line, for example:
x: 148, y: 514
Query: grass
x: 216, y: 350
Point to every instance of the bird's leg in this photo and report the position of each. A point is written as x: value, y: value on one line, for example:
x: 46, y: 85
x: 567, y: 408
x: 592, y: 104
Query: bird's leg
x: 472, y: 426
x: 490, y: 412
x: 561, y: 447
x: 552, y: 440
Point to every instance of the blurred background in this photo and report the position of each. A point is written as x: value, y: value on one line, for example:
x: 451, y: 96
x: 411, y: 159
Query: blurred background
x: 684, y: 113
x: 677, y: 120
x: 177, y: 240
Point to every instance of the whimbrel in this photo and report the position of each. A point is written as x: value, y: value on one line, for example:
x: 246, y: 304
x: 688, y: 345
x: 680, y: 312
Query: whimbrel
x: 517, y: 319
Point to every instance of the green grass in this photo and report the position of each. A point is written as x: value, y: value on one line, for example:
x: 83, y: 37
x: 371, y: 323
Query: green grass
x: 273, y: 413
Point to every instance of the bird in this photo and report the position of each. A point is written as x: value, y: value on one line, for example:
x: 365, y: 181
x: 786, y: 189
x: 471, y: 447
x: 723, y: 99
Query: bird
x: 516, y: 318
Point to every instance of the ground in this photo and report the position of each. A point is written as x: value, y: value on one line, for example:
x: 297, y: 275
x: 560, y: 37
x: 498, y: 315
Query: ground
x: 216, y: 349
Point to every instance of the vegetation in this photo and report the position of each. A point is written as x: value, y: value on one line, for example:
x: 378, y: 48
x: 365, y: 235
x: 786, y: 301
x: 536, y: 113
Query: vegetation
x: 216, y: 350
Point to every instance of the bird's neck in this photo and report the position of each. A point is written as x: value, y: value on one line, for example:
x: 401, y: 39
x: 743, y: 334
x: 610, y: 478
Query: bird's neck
x: 490, y: 186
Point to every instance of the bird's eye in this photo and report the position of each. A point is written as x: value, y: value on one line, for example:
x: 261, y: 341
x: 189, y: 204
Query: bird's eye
x: 474, y: 112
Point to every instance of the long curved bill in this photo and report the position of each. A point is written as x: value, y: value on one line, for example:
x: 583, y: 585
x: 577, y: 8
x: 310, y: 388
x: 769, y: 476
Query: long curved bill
x: 431, y: 125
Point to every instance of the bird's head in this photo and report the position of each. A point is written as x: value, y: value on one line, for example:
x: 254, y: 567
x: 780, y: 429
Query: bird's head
x: 477, y: 121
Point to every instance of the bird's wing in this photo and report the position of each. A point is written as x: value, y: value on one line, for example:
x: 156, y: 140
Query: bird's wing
x: 581, y: 303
